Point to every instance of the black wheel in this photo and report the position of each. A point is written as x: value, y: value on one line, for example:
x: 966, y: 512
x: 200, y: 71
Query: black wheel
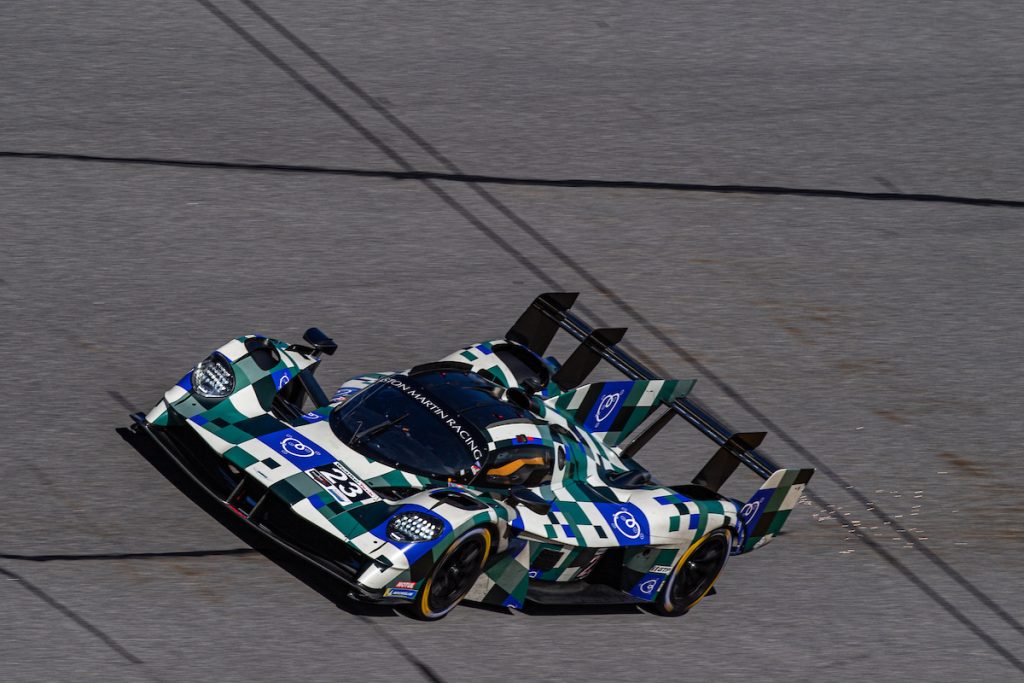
x: 695, y: 573
x: 453, y: 575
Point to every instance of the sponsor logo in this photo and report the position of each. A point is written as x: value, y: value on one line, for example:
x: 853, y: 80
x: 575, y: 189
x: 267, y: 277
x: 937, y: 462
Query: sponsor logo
x: 661, y: 569
x: 285, y: 378
x: 647, y: 587
x: 533, y: 574
x: 627, y: 525
x: 400, y: 593
x: 295, y: 448
x: 341, y: 484
x: 467, y: 437
x: 312, y: 417
x: 405, y: 584
x: 750, y: 510
x: 606, y: 406
x: 345, y: 393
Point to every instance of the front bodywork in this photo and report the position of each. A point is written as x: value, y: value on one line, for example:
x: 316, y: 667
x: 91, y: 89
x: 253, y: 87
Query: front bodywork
x: 601, y: 529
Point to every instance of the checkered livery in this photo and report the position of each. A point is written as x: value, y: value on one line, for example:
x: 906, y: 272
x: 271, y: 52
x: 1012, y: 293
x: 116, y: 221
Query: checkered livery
x: 611, y: 411
x: 596, y: 513
x: 765, y: 513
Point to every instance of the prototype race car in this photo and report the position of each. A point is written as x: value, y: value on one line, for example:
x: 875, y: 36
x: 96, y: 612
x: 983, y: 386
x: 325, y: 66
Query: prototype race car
x: 493, y: 475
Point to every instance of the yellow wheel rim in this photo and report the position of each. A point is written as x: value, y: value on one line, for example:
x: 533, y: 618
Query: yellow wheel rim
x: 667, y: 590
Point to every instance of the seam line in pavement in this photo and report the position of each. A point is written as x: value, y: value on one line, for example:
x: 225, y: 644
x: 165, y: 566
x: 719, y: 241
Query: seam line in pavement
x: 377, y: 142
x: 582, y: 272
x: 72, y: 615
x: 423, y: 668
x: 322, y: 97
x: 127, y: 556
x: 483, y: 179
x: 121, y: 400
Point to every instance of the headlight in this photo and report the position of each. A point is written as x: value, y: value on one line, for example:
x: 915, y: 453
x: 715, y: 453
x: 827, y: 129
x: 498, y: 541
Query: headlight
x: 213, y: 378
x: 410, y: 527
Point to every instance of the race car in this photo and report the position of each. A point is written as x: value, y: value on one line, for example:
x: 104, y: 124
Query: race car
x: 493, y: 475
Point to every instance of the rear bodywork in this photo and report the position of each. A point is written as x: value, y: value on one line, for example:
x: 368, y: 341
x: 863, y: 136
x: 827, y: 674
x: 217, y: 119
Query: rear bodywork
x: 599, y: 529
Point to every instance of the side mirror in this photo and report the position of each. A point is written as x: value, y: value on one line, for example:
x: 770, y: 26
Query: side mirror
x: 531, y: 385
x: 522, y: 395
x: 320, y: 342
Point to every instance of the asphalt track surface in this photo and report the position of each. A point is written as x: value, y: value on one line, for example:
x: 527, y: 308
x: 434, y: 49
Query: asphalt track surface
x: 813, y: 208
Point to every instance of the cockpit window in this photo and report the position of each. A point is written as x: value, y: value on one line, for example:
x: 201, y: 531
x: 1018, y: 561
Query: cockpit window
x: 428, y: 440
x: 519, y: 466
x: 431, y: 423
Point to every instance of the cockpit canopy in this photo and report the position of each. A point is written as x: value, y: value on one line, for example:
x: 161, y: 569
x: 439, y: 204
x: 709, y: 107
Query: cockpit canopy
x: 433, y: 422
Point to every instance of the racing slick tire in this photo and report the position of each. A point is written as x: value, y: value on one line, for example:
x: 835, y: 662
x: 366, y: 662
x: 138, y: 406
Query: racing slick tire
x: 695, y: 574
x: 453, y: 575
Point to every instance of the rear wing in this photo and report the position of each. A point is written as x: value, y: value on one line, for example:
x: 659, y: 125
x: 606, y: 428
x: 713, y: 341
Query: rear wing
x: 548, y: 313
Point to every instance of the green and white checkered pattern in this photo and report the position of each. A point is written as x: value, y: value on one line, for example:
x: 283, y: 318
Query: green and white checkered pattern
x: 589, y: 513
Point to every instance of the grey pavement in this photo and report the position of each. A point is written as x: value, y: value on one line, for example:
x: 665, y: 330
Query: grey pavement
x: 877, y: 340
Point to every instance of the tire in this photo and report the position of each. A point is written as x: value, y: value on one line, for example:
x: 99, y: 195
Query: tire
x: 453, y: 575
x: 694, y: 574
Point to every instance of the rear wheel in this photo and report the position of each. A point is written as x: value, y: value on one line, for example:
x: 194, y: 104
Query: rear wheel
x: 453, y: 575
x: 695, y: 573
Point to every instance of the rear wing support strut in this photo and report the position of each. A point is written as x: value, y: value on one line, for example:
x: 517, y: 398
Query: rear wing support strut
x: 548, y: 312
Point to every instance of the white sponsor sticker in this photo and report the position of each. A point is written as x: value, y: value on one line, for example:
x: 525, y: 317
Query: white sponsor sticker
x: 606, y: 406
x: 292, y: 446
x: 346, y: 391
x: 449, y: 421
x: 627, y: 525
x: 343, y: 486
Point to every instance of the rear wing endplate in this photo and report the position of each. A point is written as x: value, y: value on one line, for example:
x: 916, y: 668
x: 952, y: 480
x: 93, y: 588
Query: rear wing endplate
x: 548, y: 313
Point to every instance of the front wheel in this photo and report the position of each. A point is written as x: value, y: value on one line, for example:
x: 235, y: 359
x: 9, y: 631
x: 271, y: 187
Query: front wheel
x: 695, y: 573
x: 453, y: 575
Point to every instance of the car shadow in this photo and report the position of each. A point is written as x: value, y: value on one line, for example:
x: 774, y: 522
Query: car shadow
x: 312, y: 576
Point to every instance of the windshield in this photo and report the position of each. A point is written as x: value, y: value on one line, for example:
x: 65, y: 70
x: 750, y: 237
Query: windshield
x: 399, y: 422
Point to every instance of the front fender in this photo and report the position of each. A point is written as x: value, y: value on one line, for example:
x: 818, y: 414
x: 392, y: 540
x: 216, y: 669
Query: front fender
x: 409, y: 564
x: 258, y: 378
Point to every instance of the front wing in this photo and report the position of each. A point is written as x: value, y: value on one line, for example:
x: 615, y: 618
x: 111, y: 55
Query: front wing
x: 267, y: 517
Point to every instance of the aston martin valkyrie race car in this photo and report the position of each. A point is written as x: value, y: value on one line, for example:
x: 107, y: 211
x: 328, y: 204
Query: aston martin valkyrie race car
x: 493, y: 475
